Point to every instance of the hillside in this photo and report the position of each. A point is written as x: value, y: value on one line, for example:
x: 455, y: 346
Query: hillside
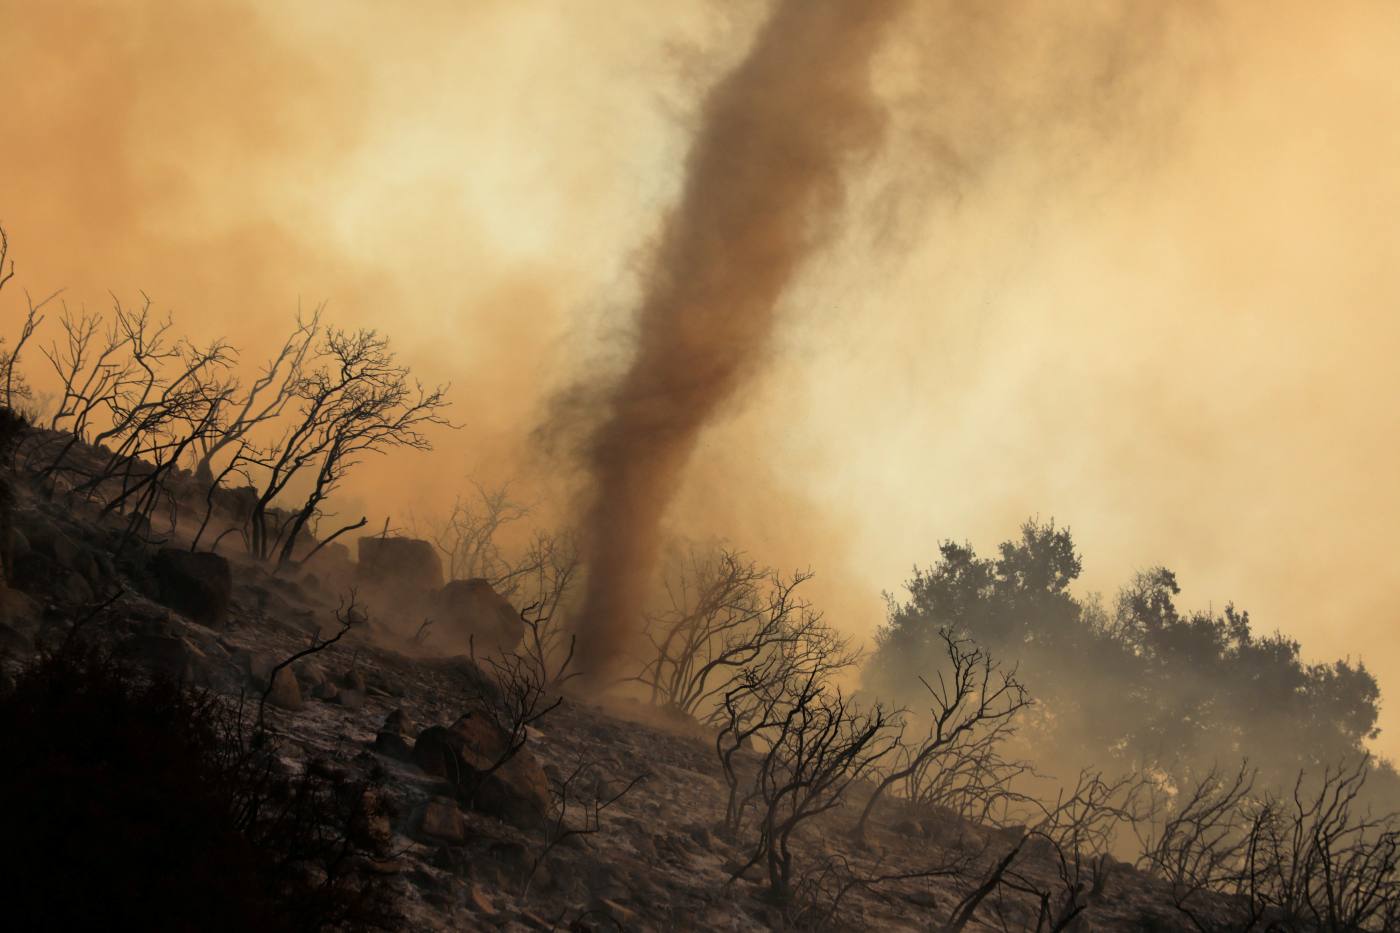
x: 610, y: 816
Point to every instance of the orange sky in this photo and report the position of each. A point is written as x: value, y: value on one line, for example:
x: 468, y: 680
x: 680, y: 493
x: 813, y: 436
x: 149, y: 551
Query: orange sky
x: 1131, y: 266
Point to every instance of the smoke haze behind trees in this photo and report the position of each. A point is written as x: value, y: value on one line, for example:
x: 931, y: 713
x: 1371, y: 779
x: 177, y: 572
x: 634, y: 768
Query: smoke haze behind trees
x: 1169, y: 322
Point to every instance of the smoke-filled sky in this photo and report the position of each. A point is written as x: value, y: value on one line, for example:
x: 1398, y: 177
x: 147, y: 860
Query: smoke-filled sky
x: 1129, y: 265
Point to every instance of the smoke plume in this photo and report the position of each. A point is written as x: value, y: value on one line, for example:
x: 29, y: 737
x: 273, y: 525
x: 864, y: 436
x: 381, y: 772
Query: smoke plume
x: 763, y: 182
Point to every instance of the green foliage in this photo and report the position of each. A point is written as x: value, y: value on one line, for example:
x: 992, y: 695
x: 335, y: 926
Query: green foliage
x: 1141, y: 682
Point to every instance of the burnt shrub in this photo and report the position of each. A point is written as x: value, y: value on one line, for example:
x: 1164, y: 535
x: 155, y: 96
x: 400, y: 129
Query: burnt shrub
x: 131, y: 802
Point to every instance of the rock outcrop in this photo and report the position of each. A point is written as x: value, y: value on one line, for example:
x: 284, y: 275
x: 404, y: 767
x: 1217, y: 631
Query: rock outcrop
x: 442, y: 821
x: 472, y: 609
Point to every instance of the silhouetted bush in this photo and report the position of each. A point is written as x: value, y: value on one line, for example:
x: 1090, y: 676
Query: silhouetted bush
x: 135, y: 803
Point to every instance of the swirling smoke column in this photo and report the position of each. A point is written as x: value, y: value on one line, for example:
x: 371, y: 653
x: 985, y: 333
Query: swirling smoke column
x: 763, y: 189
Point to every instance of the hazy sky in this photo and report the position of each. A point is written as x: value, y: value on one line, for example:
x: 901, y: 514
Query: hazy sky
x: 1130, y: 266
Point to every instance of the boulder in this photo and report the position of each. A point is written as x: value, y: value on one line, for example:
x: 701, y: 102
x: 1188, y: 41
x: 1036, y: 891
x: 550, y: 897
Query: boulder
x: 473, y: 609
x: 465, y: 754
x: 197, y: 585
x: 406, y: 563
x: 286, y: 692
x: 442, y: 820
x: 395, y: 738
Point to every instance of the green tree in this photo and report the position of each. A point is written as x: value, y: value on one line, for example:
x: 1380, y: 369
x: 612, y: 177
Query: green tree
x: 1141, y: 683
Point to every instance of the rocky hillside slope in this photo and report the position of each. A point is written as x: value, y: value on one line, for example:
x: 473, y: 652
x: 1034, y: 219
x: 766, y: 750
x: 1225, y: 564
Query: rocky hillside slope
x: 604, y: 815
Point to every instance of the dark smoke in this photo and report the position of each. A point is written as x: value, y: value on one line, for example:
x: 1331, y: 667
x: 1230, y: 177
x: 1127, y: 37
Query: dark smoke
x: 763, y: 181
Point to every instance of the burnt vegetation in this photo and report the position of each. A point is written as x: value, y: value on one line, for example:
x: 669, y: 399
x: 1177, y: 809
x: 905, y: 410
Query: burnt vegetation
x: 1008, y: 755
x: 145, y: 422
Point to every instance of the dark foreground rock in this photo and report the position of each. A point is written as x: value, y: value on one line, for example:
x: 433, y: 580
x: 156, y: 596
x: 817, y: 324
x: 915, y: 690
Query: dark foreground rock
x: 467, y: 753
x: 197, y: 585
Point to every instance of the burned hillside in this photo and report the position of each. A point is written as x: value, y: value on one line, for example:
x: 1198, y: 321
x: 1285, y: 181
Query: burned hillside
x: 396, y: 735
